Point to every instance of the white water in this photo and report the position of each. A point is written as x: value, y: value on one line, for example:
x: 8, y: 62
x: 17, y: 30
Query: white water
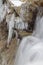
x: 30, y: 51
x: 16, y: 3
x: 31, y: 48
x: 38, y: 31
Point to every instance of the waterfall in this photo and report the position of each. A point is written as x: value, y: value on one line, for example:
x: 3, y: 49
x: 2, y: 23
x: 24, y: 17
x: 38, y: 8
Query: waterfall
x: 38, y: 31
x: 30, y: 51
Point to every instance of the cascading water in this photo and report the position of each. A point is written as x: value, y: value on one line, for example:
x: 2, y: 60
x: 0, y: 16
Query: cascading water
x: 30, y: 51
x: 38, y: 31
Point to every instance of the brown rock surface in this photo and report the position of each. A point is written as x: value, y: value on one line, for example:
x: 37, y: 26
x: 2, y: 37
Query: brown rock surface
x: 7, y: 56
x: 3, y: 30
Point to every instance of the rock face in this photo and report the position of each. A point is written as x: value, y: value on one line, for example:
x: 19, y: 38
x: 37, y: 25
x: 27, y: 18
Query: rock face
x: 3, y: 31
x: 27, y: 12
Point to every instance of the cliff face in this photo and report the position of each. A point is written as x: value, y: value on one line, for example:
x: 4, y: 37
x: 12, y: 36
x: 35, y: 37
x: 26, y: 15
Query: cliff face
x: 3, y: 31
x: 33, y: 2
x: 27, y: 12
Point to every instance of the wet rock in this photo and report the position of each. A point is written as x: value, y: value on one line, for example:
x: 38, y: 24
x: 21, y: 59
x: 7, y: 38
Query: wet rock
x: 3, y: 30
x: 28, y: 14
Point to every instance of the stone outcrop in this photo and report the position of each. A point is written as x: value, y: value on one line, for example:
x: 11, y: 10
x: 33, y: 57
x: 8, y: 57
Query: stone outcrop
x: 3, y: 30
x: 28, y: 13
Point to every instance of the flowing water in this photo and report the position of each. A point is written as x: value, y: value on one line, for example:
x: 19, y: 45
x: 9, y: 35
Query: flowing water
x: 15, y: 2
x: 38, y: 31
x: 31, y: 47
x: 30, y: 51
